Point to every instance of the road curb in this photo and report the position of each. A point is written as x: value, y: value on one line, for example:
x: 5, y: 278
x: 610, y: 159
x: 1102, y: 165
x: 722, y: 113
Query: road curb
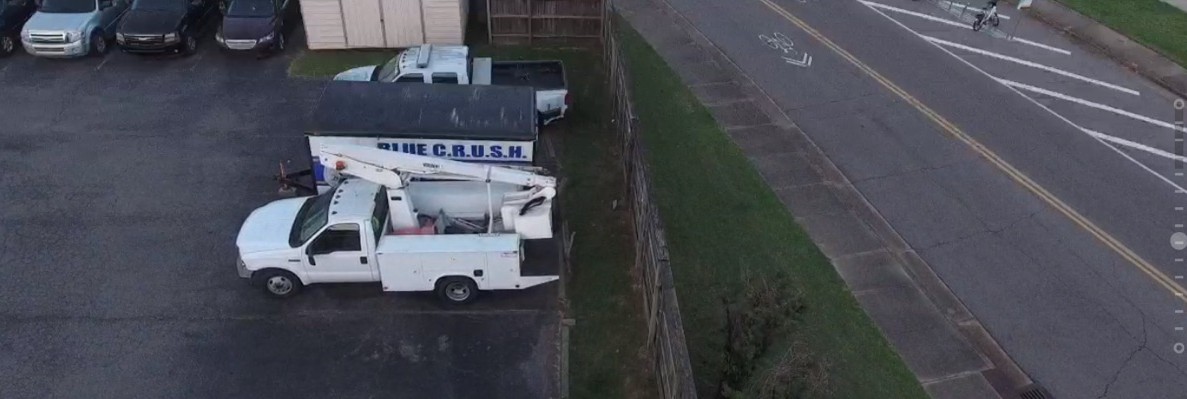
x: 1148, y: 62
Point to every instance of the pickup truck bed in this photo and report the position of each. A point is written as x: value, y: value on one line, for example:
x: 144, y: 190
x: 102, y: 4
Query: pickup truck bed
x: 541, y: 75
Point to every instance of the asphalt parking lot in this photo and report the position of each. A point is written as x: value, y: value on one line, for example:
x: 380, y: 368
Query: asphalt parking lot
x: 125, y: 180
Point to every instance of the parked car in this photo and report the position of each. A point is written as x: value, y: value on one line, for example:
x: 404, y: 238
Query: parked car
x: 72, y: 28
x: 165, y: 26
x: 254, y: 25
x: 13, y: 14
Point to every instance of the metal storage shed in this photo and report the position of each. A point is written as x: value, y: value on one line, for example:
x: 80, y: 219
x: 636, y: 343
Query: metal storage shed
x: 341, y: 24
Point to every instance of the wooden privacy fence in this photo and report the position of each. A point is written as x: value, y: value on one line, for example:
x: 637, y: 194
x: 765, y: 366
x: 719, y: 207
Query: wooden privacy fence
x: 545, y: 21
x: 665, y: 330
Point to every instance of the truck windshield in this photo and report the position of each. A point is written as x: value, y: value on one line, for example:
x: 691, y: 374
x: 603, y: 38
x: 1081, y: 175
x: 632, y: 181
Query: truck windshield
x: 163, y: 5
x: 310, y: 219
x: 389, y: 70
x: 67, y: 6
x: 251, y: 8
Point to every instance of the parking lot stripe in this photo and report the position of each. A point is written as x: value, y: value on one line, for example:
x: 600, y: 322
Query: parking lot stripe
x: 1134, y: 145
x: 1087, y: 103
x: 1031, y: 64
x: 960, y: 25
x: 1040, y: 45
x: 916, y: 14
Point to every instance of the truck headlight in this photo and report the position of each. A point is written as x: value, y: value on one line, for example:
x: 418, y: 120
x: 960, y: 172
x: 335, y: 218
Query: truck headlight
x: 268, y: 37
x: 218, y: 36
x: 73, y: 36
x: 25, y: 35
x: 171, y: 37
x: 119, y: 37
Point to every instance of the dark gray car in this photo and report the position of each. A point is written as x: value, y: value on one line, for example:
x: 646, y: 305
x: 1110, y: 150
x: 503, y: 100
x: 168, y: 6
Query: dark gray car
x: 255, y: 25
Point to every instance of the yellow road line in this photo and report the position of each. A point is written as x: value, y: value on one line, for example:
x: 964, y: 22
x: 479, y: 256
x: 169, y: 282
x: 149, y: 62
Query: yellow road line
x: 1104, y: 237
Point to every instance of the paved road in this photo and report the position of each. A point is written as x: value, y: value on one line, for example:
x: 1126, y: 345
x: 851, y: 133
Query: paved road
x: 1078, y: 317
x: 124, y: 182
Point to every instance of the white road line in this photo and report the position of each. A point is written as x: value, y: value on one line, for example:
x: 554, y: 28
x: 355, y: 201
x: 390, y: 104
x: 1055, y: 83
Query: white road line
x: 1087, y: 103
x: 916, y: 14
x: 1040, y: 45
x: 1134, y: 145
x: 1038, y: 104
x: 1028, y: 63
x: 959, y: 25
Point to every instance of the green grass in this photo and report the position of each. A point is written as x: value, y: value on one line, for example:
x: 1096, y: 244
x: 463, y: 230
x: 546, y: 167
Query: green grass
x: 605, y: 343
x: 327, y: 63
x: 1150, y: 22
x: 723, y: 223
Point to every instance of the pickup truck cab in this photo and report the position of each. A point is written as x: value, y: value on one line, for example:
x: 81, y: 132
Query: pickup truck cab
x: 254, y: 25
x: 13, y: 14
x: 164, y: 26
x: 72, y: 28
x: 436, y: 64
x: 344, y: 236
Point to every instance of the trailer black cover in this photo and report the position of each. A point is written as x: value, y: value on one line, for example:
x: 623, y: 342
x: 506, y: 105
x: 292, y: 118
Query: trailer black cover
x: 423, y: 111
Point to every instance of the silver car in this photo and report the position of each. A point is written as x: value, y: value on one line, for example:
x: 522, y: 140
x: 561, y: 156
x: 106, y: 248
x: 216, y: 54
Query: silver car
x: 72, y: 28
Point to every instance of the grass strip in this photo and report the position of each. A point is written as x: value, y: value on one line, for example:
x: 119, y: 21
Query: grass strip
x: 727, y: 229
x: 1150, y: 22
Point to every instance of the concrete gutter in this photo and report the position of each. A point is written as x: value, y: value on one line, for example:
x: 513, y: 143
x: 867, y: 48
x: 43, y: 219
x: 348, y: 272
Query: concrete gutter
x: 1148, y: 62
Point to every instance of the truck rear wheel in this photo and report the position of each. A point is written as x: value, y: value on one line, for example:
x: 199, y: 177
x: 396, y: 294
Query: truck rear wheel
x: 457, y: 290
x: 279, y: 283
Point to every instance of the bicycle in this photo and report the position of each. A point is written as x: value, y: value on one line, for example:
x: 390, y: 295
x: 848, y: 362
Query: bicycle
x: 987, y: 14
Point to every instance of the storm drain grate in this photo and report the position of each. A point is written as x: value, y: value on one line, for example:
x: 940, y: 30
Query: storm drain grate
x: 1034, y: 391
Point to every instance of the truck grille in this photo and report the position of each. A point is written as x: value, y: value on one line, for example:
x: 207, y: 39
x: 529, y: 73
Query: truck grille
x: 146, y: 39
x: 47, y: 37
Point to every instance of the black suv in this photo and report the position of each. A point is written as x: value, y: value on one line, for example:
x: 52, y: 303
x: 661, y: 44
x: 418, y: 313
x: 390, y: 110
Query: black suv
x: 13, y: 14
x: 255, y: 25
x: 160, y: 26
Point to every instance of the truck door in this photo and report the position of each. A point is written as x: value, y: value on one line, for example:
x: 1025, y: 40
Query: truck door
x: 339, y: 255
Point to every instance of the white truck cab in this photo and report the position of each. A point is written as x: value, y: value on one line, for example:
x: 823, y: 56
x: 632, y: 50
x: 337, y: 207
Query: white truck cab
x: 438, y: 64
x: 368, y: 229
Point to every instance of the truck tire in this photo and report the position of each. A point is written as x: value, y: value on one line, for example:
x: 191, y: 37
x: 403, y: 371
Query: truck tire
x: 7, y: 45
x: 98, y: 44
x: 278, y: 283
x: 457, y: 290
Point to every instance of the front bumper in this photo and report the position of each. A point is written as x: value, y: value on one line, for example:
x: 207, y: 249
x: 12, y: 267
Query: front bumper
x: 132, y: 46
x: 74, y: 49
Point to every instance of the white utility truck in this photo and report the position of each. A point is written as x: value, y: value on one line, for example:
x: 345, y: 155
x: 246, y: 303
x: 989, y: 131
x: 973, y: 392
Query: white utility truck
x: 371, y: 228
x: 438, y: 64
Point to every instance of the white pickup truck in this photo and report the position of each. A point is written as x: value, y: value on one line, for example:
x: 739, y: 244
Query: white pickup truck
x: 437, y: 64
x: 371, y: 228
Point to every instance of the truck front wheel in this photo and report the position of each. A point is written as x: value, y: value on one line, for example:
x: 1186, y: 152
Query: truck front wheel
x: 279, y: 283
x: 457, y: 290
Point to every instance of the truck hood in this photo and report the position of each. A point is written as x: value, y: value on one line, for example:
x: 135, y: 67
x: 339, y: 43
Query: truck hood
x: 151, y: 22
x: 267, y: 228
x: 360, y: 74
x: 57, y: 22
